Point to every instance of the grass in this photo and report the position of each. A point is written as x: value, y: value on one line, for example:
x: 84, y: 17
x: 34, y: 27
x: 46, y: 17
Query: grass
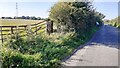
x: 17, y: 22
x: 114, y: 22
x: 41, y: 50
x: 46, y: 50
x: 117, y: 25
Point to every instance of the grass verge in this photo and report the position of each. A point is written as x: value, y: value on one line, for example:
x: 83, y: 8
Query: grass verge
x: 42, y: 50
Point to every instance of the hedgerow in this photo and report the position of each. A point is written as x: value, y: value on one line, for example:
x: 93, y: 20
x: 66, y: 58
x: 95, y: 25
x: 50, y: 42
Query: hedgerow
x: 45, y: 51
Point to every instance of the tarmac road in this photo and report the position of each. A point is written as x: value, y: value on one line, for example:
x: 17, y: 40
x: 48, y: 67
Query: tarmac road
x: 101, y: 50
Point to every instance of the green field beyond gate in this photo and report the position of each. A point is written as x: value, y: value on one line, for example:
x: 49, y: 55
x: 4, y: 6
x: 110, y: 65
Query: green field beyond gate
x: 9, y: 27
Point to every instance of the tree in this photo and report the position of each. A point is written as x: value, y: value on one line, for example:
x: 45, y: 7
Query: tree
x: 27, y: 17
x: 3, y: 17
x: 23, y: 17
x: 38, y: 18
x: 8, y: 17
x: 79, y: 16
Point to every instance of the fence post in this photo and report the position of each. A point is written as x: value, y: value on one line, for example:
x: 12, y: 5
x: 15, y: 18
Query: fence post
x: 17, y: 32
x: 11, y: 29
x: 26, y: 29
x: 49, y: 27
x: 36, y: 30
x: 1, y: 34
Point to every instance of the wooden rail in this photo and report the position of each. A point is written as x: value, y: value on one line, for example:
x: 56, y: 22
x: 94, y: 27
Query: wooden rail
x: 22, y: 28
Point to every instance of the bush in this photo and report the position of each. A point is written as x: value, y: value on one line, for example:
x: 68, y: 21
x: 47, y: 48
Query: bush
x: 79, y: 16
x: 114, y: 22
x: 118, y: 26
x: 45, y: 51
x: 12, y: 58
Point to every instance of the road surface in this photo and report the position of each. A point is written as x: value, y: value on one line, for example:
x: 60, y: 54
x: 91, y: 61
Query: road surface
x: 101, y: 50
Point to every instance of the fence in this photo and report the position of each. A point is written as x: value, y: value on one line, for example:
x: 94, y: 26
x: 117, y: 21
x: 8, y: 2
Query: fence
x: 10, y: 30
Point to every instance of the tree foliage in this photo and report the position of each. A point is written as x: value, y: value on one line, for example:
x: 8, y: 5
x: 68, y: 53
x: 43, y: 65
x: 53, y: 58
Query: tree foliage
x: 79, y: 16
x: 115, y: 22
x: 23, y: 17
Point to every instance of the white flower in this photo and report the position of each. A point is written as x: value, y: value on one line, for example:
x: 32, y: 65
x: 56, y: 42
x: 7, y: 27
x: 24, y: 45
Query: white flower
x: 12, y: 64
x: 18, y: 49
x: 17, y: 65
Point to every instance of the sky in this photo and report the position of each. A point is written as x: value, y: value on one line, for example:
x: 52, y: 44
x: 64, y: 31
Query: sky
x: 41, y: 8
x: 38, y: 9
x: 109, y: 9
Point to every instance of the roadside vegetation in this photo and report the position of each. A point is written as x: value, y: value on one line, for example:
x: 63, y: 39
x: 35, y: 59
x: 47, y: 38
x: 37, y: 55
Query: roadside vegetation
x: 114, y: 22
x: 42, y: 50
x: 75, y: 24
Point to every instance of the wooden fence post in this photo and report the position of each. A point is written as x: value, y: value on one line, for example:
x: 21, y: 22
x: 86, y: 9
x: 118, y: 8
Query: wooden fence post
x: 1, y: 34
x: 36, y: 30
x: 26, y: 29
x: 17, y: 32
x: 11, y: 29
x: 49, y: 27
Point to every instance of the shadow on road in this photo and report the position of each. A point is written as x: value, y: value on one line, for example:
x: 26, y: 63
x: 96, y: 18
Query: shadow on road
x: 101, y: 50
x: 107, y: 36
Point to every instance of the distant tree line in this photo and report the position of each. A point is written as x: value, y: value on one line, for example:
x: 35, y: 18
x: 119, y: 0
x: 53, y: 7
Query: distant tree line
x: 24, y: 17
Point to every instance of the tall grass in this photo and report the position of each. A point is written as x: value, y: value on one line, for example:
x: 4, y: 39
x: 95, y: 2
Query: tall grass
x: 42, y: 50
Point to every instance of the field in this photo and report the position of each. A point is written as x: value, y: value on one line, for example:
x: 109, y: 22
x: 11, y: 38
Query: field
x: 37, y: 49
x: 17, y: 22
x: 10, y: 26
